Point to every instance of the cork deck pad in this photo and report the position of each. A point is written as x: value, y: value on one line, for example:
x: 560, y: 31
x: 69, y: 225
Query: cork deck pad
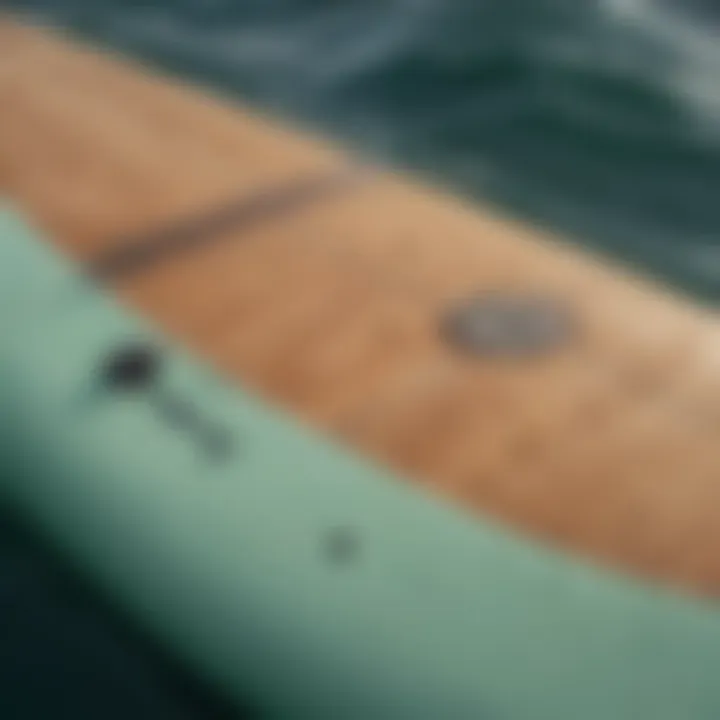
x: 324, y: 285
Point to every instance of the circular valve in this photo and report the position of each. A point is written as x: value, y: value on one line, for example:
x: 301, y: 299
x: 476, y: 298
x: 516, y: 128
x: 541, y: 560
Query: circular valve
x: 508, y: 325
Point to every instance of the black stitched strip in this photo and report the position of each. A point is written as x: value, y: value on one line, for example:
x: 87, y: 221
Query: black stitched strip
x: 134, y: 254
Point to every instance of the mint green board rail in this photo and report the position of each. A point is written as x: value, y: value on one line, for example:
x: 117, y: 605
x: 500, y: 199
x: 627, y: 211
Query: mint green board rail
x: 437, y: 615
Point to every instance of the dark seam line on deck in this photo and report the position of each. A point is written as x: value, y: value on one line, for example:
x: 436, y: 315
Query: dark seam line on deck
x: 138, y: 253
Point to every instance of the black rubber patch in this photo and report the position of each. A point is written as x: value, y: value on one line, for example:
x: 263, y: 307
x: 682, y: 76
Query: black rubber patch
x: 132, y: 368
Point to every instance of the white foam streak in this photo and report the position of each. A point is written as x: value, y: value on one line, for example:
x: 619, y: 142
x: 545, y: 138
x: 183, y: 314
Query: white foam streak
x: 694, y: 50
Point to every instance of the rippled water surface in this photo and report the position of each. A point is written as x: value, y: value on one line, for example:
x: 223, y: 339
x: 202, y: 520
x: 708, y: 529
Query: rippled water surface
x: 600, y: 118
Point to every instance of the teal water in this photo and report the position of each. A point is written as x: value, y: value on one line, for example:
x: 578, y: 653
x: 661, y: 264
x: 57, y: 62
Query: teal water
x: 598, y: 118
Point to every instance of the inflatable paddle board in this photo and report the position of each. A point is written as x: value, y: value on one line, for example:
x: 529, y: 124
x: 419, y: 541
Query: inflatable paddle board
x: 342, y: 442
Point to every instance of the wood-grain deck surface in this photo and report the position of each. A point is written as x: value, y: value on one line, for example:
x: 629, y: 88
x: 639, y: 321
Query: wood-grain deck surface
x: 607, y: 447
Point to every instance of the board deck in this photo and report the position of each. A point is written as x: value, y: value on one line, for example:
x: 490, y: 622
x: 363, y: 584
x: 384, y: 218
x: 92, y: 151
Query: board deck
x: 606, y: 447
